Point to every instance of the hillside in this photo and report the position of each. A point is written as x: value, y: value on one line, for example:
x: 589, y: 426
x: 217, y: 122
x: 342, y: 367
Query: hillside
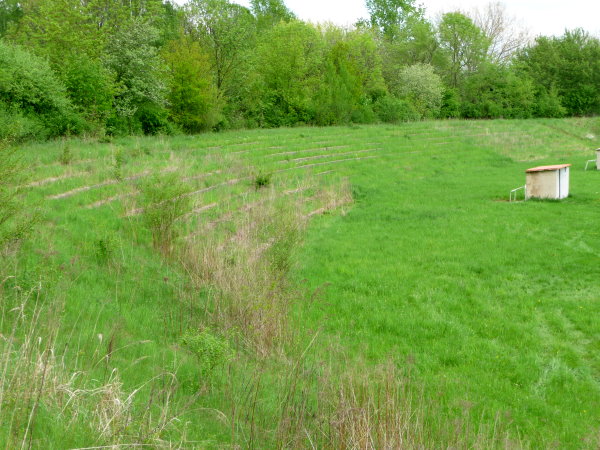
x: 336, y: 287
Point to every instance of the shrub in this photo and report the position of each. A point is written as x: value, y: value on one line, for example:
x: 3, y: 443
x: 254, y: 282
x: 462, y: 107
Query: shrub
x: 389, y: 109
x: 16, y: 127
x: 422, y: 87
x: 548, y: 104
x: 193, y: 99
x: 90, y: 88
x: 496, y: 92
x: 164, y: 202
x: 262, y: 180
x: 450, y: 108
x: 210, y: 349
x: 152, y: 119
x: 29, y: 89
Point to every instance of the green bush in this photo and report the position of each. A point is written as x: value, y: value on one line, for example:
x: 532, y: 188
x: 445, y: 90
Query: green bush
x: 152, y: 119
x: 16, y: 127
x: 422, y: 87
x: 164, y: 202
x: 29, y: 89
x: 450, y: 104
x: 548, y: 104
x: 90, y: 88
x: 194, y: 103
x: 210, y: 349
x: 497, y: 92
x: 262, y: 181
x: 390, y: 110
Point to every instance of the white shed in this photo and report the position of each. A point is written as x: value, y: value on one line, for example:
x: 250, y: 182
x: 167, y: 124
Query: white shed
x: 547, y: 182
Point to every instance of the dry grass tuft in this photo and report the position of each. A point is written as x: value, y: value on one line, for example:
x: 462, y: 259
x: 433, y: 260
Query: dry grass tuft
x: 35, y: 379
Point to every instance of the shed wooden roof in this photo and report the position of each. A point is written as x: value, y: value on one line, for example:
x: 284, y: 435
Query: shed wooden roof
x: 545, y: 168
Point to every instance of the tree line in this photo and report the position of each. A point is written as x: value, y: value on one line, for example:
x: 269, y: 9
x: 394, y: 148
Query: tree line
x: 151, y: 66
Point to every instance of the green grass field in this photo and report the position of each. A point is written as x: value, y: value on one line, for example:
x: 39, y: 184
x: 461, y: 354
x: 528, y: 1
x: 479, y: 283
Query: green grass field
x: 488, y: 309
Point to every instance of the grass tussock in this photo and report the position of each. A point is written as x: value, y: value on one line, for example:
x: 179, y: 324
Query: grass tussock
x: 245, y: 268
x: 381, y: 408
x: 38, y: 383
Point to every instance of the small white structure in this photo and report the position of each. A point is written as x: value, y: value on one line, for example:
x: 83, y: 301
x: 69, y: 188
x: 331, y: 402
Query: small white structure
x: 547, y: 182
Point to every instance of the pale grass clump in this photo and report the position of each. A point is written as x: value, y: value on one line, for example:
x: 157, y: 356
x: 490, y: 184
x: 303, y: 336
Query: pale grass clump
x: 245, y: 271
x: 381, y: 409
x: 35, y: 376
x: 335, y: 197
x: 245, y: 267
x: 377, y: 408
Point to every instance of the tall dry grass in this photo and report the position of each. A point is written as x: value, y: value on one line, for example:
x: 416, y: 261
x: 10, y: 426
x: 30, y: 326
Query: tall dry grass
x: 245, y: 271
x: 40, y: 390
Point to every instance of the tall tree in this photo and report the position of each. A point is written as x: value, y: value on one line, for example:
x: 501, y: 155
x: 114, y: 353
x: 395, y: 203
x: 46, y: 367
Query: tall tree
x: 270, y: 12
x: 132, y: 56
x: 59, y: 28
x: 226, y: 29
x: 505, y: 34
x: 11, y: 12
x: 288, y: 67
x: 390, y: 16
x: 464, y: 44
x: 193, y: 98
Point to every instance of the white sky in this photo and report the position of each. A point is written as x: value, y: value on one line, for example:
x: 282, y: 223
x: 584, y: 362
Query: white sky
x: 547, y: 17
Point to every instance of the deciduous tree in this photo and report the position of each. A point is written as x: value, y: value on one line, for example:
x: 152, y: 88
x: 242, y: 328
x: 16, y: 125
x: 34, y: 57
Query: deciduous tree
x: 464, y: 44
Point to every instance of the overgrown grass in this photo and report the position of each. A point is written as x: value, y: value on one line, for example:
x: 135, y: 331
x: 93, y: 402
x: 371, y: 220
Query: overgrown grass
x: 377, y: 292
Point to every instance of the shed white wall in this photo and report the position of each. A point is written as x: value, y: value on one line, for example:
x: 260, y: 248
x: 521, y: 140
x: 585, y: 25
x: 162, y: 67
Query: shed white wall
x: 563, y: 183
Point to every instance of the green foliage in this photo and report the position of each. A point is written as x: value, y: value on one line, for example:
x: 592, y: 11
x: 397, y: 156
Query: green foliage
x: 450, y: 108
x: 29, y: 88
x: 422, y: 87
x: 390, y: 16
x: 548, y: 104
x: 568, y: 66
x: 164, y: 202
x: 17, y: 127
x: 269, y: 13
x: 139, y: 75
x: 464, y: 44
x: 392, y: 110
x: 339, y: 94
x: 211, y: 350
x: 10, y: 13
x: 194, y: 103
x: 59, y: 30
x: 352, y: 78
x: 227, y: 30
x: 90, y: 88
x: 496, y: 92
x: 288, y: 67
x: 262, y: 181
x: 110, y: 67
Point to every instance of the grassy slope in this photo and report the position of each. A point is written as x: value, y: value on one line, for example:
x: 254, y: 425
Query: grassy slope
x: 493, y: 304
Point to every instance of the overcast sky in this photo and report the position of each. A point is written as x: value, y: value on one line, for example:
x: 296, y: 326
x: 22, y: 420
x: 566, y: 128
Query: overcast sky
x: 547, y: 17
